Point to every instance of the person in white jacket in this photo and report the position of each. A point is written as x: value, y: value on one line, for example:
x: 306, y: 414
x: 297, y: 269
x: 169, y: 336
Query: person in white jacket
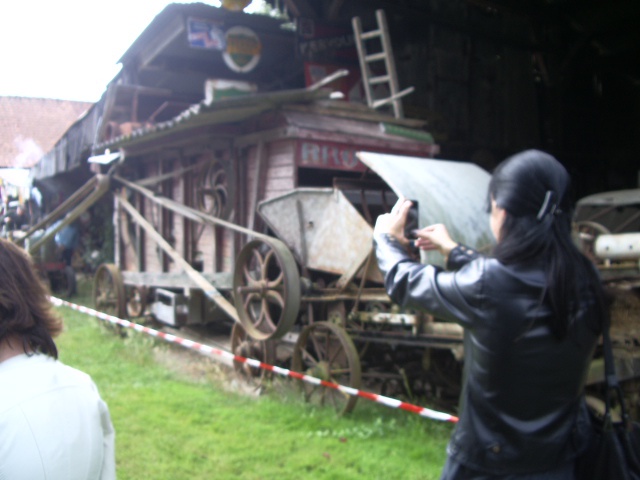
x: 53, y: 423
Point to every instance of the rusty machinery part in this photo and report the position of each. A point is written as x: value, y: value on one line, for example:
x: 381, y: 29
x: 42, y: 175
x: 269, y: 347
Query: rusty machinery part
x: 625, y: 313
x: 631, y: 391
x: 430, y: 373
x: 213, y: 189
x: 325, y: 351
x: 587, y: 232
x: 243, y: 345
x: 444, y: 372
x: 336, y: 313
x: 266, y: 288
x: 136, y: 300
x: 625, y: 334
x: 109, y: 293
x: 63, y: 281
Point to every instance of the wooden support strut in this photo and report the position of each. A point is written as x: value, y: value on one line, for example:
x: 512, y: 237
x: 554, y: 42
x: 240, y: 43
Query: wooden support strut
x: 209, y: 290
x: 200, y: 217
x: 172, y: 174
x: 70, y: 202
x: 102, y: 186
x: 190, y: 213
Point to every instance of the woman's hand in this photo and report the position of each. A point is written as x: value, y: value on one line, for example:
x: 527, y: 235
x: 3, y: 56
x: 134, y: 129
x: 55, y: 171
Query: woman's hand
x: 435, y: 237
x: 393, y: 223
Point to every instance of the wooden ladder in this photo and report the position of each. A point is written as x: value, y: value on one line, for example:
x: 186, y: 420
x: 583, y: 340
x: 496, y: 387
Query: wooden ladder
x: 383, y: 56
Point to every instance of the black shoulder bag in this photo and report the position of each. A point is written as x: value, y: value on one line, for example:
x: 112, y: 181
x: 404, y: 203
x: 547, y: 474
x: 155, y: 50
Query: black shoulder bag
x: 614, y: 448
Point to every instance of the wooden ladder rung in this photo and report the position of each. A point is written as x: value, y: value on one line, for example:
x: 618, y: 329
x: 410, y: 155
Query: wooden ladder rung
x: 379, y: 79
x: 392, y: 98
x: 375, y: 57
x: 371, y: 34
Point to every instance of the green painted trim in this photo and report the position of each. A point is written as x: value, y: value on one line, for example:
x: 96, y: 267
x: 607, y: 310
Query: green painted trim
x: 420, y: 135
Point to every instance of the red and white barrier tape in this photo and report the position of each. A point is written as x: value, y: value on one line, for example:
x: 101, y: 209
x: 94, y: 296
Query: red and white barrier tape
x: 206, y: 349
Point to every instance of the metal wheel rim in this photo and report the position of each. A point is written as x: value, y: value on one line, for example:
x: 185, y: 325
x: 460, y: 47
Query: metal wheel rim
x: 325, y: 342
x: 243, y: 345
x: 108, y: 291
x: 279, y: 291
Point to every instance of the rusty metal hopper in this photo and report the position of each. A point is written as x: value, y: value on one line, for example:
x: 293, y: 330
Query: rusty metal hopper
x: 448, y: 192
x: 326, y: 232
x: 321, y: 227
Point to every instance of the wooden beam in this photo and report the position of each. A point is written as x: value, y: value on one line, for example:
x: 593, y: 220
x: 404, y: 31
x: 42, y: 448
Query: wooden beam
x: 101, y: 187
x: 258, y: 187
x: 62, y: 209
x: 208, y: 289
x: 186, y: 211
x: 166, y: 176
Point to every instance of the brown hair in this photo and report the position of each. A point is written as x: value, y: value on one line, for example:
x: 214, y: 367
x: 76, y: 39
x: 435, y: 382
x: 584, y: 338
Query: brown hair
x: 25, y: 310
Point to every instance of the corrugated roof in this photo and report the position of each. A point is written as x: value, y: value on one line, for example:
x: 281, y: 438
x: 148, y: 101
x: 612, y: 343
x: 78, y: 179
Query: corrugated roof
x: 227, y: 110
x: 30, y: 127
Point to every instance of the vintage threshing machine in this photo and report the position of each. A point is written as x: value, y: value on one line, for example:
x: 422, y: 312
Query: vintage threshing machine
x: 247, y: 170
x: 265, y: 224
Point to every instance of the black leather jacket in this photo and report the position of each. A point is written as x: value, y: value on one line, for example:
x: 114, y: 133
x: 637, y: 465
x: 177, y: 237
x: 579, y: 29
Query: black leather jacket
x: 522, y: 404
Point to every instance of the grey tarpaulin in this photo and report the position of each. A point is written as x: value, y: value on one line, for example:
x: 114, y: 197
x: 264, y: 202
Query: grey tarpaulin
x: 449, y: 192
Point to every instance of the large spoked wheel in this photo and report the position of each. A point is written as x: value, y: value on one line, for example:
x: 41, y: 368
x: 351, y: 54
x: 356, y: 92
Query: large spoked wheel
x: 326, y: 351
x: 266, y: 289
x: 108, y: 292
x: 244, y: 346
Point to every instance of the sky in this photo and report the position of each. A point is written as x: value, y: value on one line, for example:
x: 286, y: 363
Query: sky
x: 68, y: 49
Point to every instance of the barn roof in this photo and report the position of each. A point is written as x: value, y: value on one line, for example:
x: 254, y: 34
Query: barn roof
x: 30, y: 127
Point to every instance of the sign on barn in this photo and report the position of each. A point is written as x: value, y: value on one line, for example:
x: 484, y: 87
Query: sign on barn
x: 328, y: 155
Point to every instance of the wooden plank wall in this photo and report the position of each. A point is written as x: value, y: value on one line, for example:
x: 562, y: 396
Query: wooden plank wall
x: 216, y: 245
x: 225, y: 259
x: 270, y: 171
x: 280, y: 174
x: 177, y: 225
x: 204, y: 236
x: 152, y: 258
x: 254, y: 189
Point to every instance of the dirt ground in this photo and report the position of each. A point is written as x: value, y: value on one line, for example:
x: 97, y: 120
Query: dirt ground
x: 202, y: 368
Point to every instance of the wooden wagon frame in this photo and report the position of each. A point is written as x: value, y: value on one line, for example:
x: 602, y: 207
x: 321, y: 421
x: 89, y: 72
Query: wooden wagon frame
x: 286, y: 258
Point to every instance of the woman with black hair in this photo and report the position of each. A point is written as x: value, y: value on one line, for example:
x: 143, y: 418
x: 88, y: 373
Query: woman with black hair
x: 532, y: 315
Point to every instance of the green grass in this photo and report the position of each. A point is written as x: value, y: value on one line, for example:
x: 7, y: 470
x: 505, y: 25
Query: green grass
x: 172, y: 425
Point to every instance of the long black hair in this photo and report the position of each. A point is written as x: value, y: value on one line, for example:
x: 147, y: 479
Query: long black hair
x: 534, y: 189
